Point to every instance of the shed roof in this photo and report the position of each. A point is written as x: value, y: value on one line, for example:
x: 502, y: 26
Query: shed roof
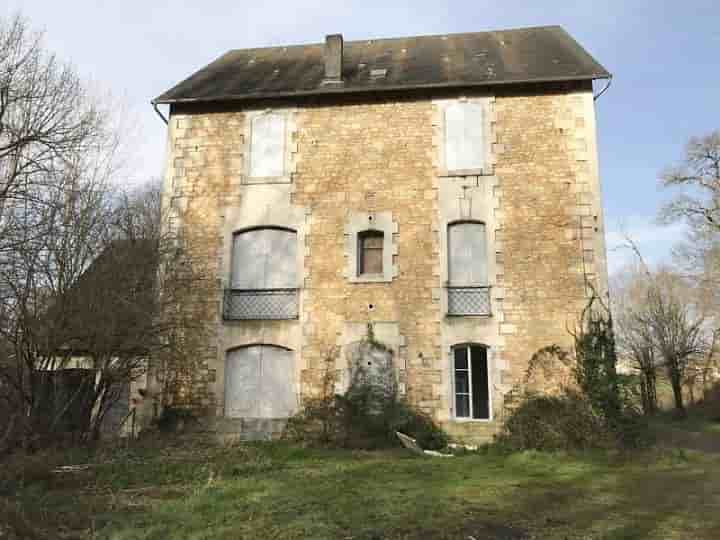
x: 526, y: 55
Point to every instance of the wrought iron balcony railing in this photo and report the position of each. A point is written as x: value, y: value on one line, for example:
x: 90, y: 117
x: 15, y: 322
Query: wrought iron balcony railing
x: 469, y: 301
x: 260, y: 304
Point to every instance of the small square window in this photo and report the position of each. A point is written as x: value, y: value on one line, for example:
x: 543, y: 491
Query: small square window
x: 370, y: 252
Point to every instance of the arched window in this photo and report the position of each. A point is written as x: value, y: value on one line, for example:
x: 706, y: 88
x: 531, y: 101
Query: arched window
x: 468, y: 291
x: 263, y: 276
x: 370, y: 252
x: 467, y: 254
x: 259, y: 382
x: 264, y: 258
x: 471, y: 389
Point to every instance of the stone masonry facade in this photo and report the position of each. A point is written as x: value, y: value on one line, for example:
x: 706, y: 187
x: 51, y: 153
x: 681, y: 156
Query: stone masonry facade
x: 351, y: 159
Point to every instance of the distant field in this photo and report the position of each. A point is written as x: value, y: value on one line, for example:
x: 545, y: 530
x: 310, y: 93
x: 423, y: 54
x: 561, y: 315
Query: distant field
x: 277, y: 491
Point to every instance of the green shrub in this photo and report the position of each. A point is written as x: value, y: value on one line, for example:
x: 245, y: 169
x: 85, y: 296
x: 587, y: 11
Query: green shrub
x: 349, y: 421
x: 565, y: 422
x: 366, y: 416
x: 174, y: 419
x: 569, y: 421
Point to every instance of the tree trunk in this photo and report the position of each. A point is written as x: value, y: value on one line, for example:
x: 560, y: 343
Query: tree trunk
x: 648, y: 392
x: 676, y: 383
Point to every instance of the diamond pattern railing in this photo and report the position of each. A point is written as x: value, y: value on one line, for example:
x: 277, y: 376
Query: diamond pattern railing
x: 260, y: 304
x: 469, y: 301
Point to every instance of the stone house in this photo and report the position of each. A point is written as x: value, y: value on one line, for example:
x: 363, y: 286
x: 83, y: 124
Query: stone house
x: 443, y: 189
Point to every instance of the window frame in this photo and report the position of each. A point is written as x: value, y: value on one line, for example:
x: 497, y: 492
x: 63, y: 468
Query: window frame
x: 247, y: 230
x: 261, y: 346
x: 468, y: 347
x: 358, y: 222
x: 487, y: 166
x: 287, y: 147
x: 362, y: 236
x: 448, y: 247
x: 280, y: 299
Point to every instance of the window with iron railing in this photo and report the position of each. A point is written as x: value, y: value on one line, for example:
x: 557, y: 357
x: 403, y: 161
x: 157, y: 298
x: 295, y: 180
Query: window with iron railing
x: 263, y: 281
x: 468, y: 291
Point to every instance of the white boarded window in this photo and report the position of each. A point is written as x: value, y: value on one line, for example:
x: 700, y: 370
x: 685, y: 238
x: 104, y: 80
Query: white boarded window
x: 264, y: 259
x: 267, y: 146
x: 259, y: 382
x: 464, y: 144
x: 467, y: 254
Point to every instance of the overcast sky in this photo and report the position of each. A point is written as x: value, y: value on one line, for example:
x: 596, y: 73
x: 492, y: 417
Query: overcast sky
x: 664, y: 55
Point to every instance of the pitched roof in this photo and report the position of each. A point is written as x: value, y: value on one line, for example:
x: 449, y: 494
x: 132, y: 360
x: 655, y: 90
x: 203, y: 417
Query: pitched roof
x: 526, y: 55
x: 110, y: 305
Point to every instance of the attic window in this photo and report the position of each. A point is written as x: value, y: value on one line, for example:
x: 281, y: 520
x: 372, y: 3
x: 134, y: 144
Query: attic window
x: 267, y: 146
x: 464, y: 138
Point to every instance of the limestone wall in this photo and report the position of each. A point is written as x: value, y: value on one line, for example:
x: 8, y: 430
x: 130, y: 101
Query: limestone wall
x: 353, y: 160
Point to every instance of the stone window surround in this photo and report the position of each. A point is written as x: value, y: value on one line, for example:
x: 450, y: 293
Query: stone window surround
x: 488, y: 136
x: 471, y: 213
x: 358, y: 222
x: 290, y: 147
x: 490, y: 370
x: 235, y: 221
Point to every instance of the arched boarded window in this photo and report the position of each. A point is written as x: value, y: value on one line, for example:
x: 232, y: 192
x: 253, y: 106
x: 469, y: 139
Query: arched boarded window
x: 259, y: 382
x: 467, y: 254
x: 264, y: 258
x: 264, y: 275
x: 267, y: 146
x: 471, y: 387
x: 464, y: 144
x: 370, y: 252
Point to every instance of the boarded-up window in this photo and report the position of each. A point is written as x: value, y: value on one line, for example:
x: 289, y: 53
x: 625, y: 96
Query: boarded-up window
x: 267, y: 146
x: 264, y: 259
x: 259, y: 383
x: 370, y: 252
x: 464, y: 144
x: 471, y: 382
x: 467, y: 254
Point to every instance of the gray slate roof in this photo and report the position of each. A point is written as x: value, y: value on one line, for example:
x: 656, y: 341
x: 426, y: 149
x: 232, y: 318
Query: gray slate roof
x: 527, y: 55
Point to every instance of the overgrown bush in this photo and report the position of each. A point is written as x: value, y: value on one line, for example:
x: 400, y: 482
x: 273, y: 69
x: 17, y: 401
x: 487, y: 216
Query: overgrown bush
x: 367, y: 414
x: 562, y: 422
x: 173, y: 419
x: 593, y: 410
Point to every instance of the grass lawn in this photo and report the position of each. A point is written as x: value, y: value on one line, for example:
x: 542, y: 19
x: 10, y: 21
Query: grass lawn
x: 257, y: 491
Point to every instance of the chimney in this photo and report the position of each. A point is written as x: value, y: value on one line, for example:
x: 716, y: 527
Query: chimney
x: 333, y: 59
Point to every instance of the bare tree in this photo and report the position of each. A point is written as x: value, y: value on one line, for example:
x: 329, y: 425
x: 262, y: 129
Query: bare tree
x: 699, y: 178
x: 662, y: 320
x: 47, y: 121
x: 58, y: 157
x: 635, y: 340
x: 698, y: 204
x: 678, y: 332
